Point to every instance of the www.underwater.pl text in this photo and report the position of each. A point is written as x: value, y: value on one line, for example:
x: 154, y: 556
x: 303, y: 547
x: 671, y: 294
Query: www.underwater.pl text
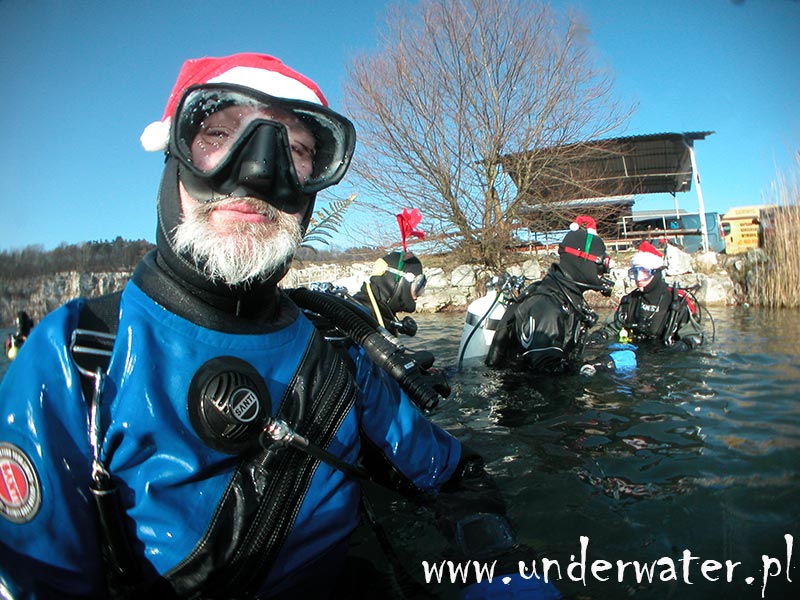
x: 688, y: 569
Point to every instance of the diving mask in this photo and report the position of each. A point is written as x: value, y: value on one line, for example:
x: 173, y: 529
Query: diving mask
x: 640, y: 273
x: 230, y: 137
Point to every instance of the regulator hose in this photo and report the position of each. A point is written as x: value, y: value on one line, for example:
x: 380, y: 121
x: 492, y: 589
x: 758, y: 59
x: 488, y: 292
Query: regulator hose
x: 363, y: 329
x: 476, y: 327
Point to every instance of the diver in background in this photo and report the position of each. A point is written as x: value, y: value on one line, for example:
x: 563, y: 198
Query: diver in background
x: 396, y: 282
x: 544, y: 331
x: 14, y: 341
x: 654, y: 311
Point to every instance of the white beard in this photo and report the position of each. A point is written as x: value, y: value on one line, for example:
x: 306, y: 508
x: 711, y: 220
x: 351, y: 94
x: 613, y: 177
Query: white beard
x: 241, y: 252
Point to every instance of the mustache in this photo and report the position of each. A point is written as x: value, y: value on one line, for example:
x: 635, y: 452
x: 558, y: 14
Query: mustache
x: 204, y: 209
x: 244, y: 252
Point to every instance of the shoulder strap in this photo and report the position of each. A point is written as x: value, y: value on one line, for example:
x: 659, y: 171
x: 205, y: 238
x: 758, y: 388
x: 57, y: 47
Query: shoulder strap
x: 101, y: 313
x: 91, y: 346
x: 93, y: 339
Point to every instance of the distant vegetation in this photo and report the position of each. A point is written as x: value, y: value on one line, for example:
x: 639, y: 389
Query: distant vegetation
x: 122, y: 256
x: 776, y: 282
x: 89, y: 257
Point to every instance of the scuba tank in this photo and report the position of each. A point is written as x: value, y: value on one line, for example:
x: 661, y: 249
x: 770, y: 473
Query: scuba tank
x: 484, y: 315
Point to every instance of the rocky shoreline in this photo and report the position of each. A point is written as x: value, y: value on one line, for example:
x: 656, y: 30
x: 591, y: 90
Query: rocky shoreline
x: 721, y: 280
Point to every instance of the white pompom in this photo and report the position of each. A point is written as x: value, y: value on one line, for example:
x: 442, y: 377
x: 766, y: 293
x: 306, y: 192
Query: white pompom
x: 155, y: 137
x: 574, y: 226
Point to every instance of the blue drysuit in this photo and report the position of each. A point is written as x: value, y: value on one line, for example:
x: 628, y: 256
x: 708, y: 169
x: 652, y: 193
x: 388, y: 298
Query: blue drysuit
x: 199, y: 518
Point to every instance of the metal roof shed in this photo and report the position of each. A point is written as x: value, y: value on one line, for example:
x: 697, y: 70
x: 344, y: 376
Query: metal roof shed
x: 642, y: 164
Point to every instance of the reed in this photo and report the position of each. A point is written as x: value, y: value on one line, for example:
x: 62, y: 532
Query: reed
x: 775, y: 282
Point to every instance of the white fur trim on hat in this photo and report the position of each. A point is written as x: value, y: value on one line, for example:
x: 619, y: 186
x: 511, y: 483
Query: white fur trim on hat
x: 155, y: 137
x: 648, y: 257
x: 259, y: 72
x: 269, y: 82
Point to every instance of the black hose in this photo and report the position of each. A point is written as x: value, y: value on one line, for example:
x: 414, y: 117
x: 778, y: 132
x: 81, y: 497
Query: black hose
x: 123, y: 570
x: 363, y: 329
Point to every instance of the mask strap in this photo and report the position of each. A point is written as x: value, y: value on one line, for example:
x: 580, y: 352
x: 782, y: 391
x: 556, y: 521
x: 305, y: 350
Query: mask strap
x: 582, y: 254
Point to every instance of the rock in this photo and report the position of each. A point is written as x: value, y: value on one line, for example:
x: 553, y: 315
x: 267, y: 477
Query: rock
x: 445, y: 291
x: 678, y: 262
x: 715, y: 290
x: 463, y: 276
x: 532, y: 270
x: 706, y: 262
x: 442, y: 300
x: 437, y: 279
x: 43, y: 294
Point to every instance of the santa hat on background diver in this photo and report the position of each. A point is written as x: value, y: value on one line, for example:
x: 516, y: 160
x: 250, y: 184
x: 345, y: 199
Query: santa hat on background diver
x: 582, y: 241
x: 260, y: 72
x: 587, y: 223
x: 582, y: 254
x: 648, y: 256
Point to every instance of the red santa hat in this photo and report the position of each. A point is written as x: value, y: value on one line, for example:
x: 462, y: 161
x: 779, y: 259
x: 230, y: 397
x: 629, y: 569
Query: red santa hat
x: 260, y: 72
x: 583, y: 221
x: 648, y: 256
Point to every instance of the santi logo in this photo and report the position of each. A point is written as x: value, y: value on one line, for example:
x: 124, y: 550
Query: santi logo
x: 20, y: 491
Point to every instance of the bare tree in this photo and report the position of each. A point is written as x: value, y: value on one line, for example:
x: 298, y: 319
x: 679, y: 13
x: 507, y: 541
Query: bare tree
x: 463, y: 93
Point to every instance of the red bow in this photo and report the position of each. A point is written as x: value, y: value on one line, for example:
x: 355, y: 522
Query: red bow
x: 408, y: 221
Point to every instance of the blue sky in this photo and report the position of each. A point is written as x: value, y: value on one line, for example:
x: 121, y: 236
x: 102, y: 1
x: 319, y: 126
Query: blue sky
x: 83, y: 78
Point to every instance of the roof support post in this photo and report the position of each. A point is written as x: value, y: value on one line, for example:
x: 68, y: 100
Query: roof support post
x: 700, y: 204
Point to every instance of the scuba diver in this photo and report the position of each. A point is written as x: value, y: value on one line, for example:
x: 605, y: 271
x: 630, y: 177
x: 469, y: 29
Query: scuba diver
x: 653, y: 312
x: 396, y: 282
x: 14, y: 341
x: 195, y: 436
x: 545, y: 328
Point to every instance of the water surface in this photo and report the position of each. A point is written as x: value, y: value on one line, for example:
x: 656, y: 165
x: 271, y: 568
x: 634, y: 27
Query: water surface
x: 694, y: 451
